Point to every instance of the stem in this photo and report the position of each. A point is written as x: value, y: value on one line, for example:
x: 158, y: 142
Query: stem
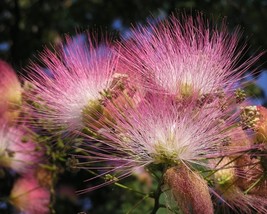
x: 52, y: 193
x: 138, y: 203
x: 253, y: 185
x: 156, y: 197
x: 130, y: 189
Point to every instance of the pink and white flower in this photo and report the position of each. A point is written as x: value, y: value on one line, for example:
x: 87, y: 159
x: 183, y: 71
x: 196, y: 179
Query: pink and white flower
x: 29, y: 197
x: 72, y: 82
x: 160, y: 131
x: 184, y: 58
x: 227, y: 186
x: 10, y: 93
x: 17, y: 150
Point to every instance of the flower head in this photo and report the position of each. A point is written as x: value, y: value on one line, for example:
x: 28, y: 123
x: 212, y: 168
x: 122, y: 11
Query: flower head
x: 17, y: 150
x: 10, y: 92
x: 227, y: 185
x: 251, y: 174
x: 71, y: 83
x: 29, y: 197
x: 161, y: 131
x: 187, y: 58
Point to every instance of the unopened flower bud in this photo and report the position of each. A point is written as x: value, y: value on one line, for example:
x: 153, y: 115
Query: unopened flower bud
x: 255, y: 118
x: 240, y: 95
x: 189, y: 190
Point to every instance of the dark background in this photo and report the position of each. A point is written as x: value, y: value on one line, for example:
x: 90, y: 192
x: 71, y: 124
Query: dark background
x: 27, y: 26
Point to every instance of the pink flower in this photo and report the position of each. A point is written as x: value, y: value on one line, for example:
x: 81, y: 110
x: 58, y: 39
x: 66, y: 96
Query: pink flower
x: 17, y: 149
x: 184, y: 58
x: 161, y: 131
x: 227, y: 186
x: 10, y: 93
x: 251, y: 175
x: 72, y: 83
x: 29, y: 197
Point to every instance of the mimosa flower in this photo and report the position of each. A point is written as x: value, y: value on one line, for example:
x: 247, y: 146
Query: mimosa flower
x: 17, y: 150
x: 29, y: 197
x: 187, y: 58
x: 227, y: 187
x: 10, y: 93
x: 251, y: 174
x: 80, y: 74
x: 160, y: 131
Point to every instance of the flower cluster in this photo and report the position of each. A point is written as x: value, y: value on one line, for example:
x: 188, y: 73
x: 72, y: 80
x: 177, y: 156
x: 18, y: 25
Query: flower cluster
x: 166, y: 101
x: 19, y: 151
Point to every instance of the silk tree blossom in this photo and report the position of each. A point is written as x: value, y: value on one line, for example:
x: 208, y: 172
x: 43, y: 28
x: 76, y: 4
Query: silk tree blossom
x: 251, y: 175
x: 227, y: 184
x: 238, y: 180
x: 253, y: 179
x: 10, y: 93
x: 185, y: 58
x: 29, y: 197
x: 71, y: 83
x: 160, y: 131
x: 17, y: 150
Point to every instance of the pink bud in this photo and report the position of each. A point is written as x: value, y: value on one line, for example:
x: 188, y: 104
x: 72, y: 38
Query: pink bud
x: 189, y: 190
